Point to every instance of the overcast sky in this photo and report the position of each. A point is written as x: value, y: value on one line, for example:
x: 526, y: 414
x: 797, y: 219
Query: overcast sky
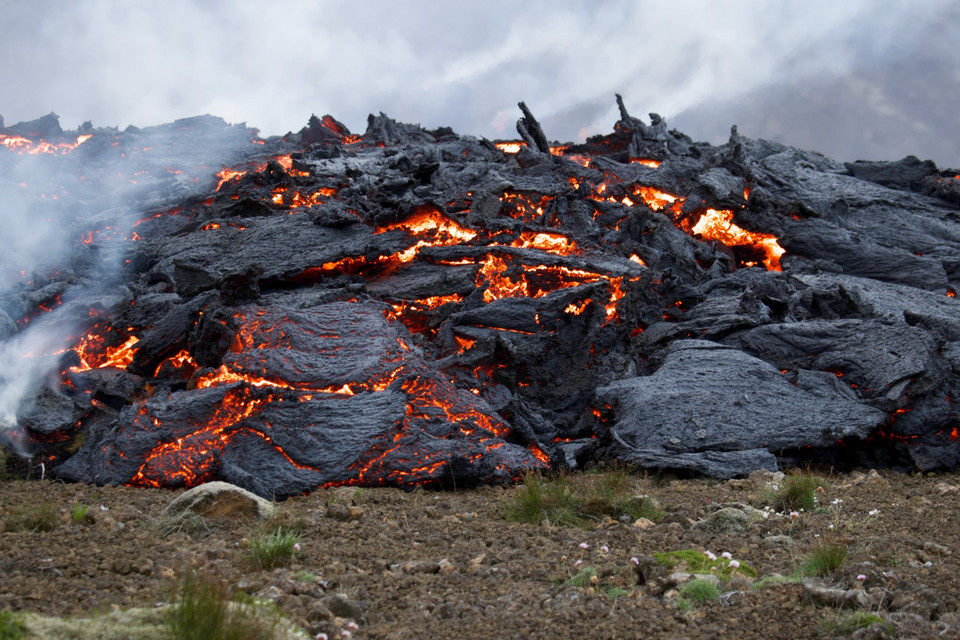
x: 853, y: 79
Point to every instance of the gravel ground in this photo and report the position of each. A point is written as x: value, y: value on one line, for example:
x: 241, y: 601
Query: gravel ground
x: 384, y: 563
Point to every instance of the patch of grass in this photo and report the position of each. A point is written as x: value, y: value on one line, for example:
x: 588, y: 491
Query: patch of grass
x: 11, y: 628
x: 697, y: 562
x: 80, y: 513
x: 203, y: 610
x: 772, y: 581
x: 824, y: 559
x: 33, y: 518
x: 541, y: 498
x: 797, y: 492
x: 584, y: 578
x: 617, y: 592
x: 579, y: 500
x: 186, y: 522
x: 274, y: 550
x: 846, y: 624
x: 699, y: 591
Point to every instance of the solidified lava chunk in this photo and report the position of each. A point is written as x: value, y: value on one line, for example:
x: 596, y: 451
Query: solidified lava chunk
x: 410, y: 307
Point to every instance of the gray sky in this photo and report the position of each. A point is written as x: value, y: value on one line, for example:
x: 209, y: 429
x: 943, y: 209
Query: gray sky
x: 854, y: 79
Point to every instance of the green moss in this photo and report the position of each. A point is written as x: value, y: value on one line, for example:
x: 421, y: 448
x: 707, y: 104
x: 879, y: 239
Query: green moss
x: 697, y: 562
x: 11, y: 627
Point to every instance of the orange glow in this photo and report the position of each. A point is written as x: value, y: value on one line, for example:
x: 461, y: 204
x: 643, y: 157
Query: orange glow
x: 525, y: 207
x: 616, y: 286
x: 582, y: 159
x: 539, y: 454
x: 659, y: 200
x: 25, y: 145
x: 182, y: 360
x: 653, y: 164
x: 719, y: 226
x: 558, y: 151
x: 210, y: 226
x: 464, y: 343
x: 226, y: 175
x: 635, y: 258
x: 511, y: 147
x: 576, y: 309
x: 429, y: 219
x: 951, y: 293
x: 550, y: 242
x: 94, y: 354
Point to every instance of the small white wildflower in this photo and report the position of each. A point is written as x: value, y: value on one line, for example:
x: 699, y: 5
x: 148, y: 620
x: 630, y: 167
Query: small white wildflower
x: 928, y: 564
x: 578, y: 563
x: 734, y: 564
x: 353, y: 626
x: 584, y: 545
x: 710, y: 555
x: 794, y: 515
x: 727, y: 555
x: 873, y: 512
x: 836, y: 501
x: 296, y: 546
x: 830, y: 526
x: 345, y: 634
x: 861, y: 577
x: 635, y: 560
x: 605, y: 549
x: 320, y: 636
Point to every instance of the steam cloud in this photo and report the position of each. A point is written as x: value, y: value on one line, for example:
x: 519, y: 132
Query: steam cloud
x: 858, y: 79
x: 50, y: 204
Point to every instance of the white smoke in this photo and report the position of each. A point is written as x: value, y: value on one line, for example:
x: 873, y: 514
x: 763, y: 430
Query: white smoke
x: 463, y: 65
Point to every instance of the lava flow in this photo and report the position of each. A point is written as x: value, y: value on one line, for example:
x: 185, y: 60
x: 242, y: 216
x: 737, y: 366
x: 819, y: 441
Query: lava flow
x: 413, y: 307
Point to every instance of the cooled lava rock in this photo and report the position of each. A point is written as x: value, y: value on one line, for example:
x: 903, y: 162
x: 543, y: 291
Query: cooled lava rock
x: 412, y: 307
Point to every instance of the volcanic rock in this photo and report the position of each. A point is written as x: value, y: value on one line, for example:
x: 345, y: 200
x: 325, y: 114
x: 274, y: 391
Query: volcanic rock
x: 720, y: 411
x: 416, y: 307
x: 221, y: 500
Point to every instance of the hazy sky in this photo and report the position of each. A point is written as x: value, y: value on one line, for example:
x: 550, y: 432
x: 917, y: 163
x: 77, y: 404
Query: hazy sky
x: 857, y: 78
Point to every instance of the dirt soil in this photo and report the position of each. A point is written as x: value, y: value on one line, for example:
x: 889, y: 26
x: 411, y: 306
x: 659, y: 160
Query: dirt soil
x: 425, y: 564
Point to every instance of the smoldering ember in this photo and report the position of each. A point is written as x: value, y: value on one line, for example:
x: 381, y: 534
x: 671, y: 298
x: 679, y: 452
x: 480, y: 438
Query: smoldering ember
x: 409, y: 307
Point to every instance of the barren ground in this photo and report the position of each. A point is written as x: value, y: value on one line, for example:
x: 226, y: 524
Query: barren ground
x: 424, y: 564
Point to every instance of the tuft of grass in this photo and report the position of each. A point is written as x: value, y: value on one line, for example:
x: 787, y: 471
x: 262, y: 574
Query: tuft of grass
x: 699, y: 591
x: 617, y: 592
x: 824, y: 559
x: 186, y: 522
x: 274, y: 550
x: 541, y: 498
x: 584, y: 578
x: 846, y: 624
x: 11, y: 628
x: 579, y: 501
x: 797, y: 492
x: 203, y: 610
x: 80, y: 513
x: 33, y: 518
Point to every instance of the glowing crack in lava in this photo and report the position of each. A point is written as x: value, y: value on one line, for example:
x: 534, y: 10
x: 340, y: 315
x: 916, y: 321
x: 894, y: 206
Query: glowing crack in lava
x: 344, y: 377
x: 25, y: 145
